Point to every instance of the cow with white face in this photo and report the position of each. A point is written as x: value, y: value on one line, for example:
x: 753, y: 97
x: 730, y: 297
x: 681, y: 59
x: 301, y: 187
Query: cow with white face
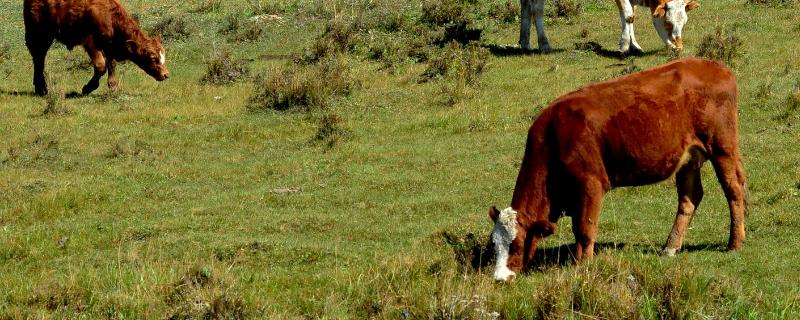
x: 669, y: 18
x: 624, y: 133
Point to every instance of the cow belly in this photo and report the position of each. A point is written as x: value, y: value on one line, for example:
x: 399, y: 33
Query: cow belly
x: 632, y: 171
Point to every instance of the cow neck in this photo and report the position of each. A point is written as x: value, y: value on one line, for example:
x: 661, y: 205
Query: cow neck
x: 530, y: 198
x: 127, y: 28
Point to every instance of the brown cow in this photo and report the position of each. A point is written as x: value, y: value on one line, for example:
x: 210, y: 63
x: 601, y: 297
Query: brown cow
x: 102, y: 27
x: 632, y: 131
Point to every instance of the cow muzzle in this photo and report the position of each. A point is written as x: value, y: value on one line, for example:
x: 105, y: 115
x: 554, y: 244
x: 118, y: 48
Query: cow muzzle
x: 503, y: 274
x: 678, y: 41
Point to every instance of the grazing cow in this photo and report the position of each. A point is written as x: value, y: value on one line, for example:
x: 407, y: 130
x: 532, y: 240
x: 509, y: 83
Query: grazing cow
x: 669, y: 17
x: 102, y: 27
x: 635, y: 130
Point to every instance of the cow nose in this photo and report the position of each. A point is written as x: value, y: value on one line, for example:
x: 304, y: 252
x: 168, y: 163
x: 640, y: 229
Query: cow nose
x: 679, y: 43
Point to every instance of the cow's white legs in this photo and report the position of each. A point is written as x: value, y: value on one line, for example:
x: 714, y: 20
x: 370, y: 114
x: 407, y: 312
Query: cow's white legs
x: 535, y: 8
x: 626, y: 16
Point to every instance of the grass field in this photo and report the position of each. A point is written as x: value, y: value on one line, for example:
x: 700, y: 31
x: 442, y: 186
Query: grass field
x: 185, y: 200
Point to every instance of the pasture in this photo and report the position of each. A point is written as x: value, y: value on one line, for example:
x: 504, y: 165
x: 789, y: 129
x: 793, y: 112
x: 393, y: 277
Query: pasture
x: 361, y: 191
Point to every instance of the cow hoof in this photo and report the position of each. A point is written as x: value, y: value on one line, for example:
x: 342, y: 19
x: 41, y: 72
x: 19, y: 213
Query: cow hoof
x: 87, y: 90
x: 669, y: 252
x: 545, y: 49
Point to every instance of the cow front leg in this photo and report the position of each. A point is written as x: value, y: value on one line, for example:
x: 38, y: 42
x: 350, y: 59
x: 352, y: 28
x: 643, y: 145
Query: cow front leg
x: 584, y: 226
x: 690, y: 193
x: 99, y: 63
x: 38, y: 45
x: 627, y: 42
x: 111, y: 65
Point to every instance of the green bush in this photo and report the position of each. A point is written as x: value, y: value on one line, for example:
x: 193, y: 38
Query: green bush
x: 222, y: 69
x: 302, y: 88
x: 721, y: 45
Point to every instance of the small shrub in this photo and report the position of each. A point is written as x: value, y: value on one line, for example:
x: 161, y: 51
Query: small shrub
x: 330, y: 131
x: 569, y: 9
x: 5, y: 52
x: 202, y: 294
x: 207, y: 6
x: 764, y: 91
x: 336, y: 38
x: 506, y: 12
x: 453, y: 18
x: 222, y: 69
x: 774, y: 3
x: 55, y: 101
x: 792, y: 104
x: 250, y: 32
x: 465, y: 63
x: 231, y: 24
x: 304, y: 89
x: 62, y: 296
x: 721, y: 45
x: 172, y: 28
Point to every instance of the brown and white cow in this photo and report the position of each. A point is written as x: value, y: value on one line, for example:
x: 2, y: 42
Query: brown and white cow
x: 102, y: 27
x: 669, y: 17
x: 631, y: 131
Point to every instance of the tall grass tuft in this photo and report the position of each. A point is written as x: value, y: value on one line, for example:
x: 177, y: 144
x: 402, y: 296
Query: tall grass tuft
x: 302, y: 88
x: 55, y: 101
x: 775, y: 3
x: 721, y: 45
x: 568, y: 9
x: 331, y: 131
x: 202, y: 293
x: 222, y: 69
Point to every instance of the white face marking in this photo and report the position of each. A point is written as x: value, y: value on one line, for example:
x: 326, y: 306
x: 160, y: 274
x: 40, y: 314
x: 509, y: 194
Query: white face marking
x: 162, y: 58
x: 676, y: 15
x: 505, y: 231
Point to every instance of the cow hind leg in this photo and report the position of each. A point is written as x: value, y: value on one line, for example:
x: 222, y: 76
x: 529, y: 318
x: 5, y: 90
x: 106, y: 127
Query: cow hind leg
x: 584, y: 226
x: 38, y: 45
x: 541, y: 37
x: 730, y: 174
x: 525, y: 24
x: 690, y: 193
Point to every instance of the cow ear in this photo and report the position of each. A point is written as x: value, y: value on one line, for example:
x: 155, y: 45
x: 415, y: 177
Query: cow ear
x: 543, y: 228
x: 660, y: 11
x: 692, y: 5
x: 131, y: 45
x: 494, y: 213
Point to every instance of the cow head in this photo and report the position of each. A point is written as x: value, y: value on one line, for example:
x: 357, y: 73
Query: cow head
x: 514, y: 243
x: 669, y: 17
x: 148, y: 54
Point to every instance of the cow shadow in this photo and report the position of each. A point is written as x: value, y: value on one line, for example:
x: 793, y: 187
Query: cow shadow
x: 23, y: 93
x: 510, y: 51
x: 598, y: 49
x: 476, y: 254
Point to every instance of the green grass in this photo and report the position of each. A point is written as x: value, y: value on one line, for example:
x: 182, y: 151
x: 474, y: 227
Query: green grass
x: 171, y: 199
